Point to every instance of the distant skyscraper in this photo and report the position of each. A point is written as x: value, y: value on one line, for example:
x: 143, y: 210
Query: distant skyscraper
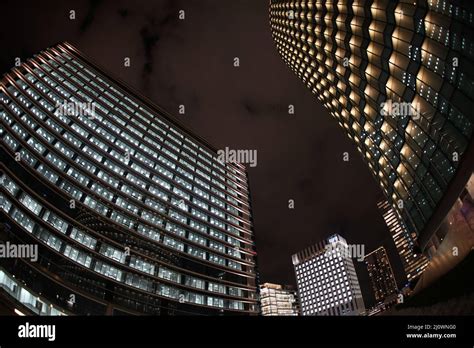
x: 326, y: 279
x: 413, y: 261
x: 397, y: 77
x: 381, y: 275
x: 132, y: 213
x: 278, y: 300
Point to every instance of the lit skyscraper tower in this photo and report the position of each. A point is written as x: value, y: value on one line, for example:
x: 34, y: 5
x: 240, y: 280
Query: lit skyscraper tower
x: 413, y: 261
x: 381, y: 275
x: 326, y: 279
x: 132, y: 213
x: 397, y: 76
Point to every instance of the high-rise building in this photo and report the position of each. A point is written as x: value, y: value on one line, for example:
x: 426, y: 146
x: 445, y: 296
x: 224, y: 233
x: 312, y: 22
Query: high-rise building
x: 413, y: 260
x: 326, y: 279
x: 278, y: 300
x: 131, y: 212
x: 453, y: 241
x: 397, y: 76
x: 381, y: 275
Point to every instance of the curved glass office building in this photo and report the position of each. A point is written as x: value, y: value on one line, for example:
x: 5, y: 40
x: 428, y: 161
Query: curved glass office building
x: 398, y: 77
x: 130, y: 213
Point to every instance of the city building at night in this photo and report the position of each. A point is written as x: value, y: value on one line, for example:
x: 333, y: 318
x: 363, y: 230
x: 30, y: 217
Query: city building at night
x: 278, y: 300
x: 413, y: 260
x: 453, y: 241
x: 326, y: 279
x: 397, y: 76
x: 130, y: 212
x: 381, y: 275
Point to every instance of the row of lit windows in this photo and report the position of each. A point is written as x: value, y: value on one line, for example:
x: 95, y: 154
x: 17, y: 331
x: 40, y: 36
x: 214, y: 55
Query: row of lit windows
x: 167, y: 240
x: 123, y: 220
x: 106, y: 194
x: 84, y: 258
x: 107, y: 135
x: 35, y: 303
x: 85, y: 128
x: 421, y: 202
x: 334, y: 298
x: 137, y: 112
x: 120, y: 157
x: 314, y: 307
x: 403, y: 242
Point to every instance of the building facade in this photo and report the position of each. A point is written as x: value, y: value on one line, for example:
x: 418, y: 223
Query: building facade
x: 326, y: 279
x: 413, y: 260
x: 453, y: 241
x: 278, y: 300
x: 131, y: 213
x: 381, y: 275
x: 397, y: 76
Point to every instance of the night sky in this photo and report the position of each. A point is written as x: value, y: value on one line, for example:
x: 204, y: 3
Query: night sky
x: 191, y: 62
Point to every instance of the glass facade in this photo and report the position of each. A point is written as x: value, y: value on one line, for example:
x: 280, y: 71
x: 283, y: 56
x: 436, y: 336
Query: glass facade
x: 135, y: 208
x: 414, y: 262
x: 326, y: 279
x: 381, y: 275
x: 397, y: 77
x: 30, y: 302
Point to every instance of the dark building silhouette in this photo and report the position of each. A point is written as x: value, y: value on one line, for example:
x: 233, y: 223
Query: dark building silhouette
x: 381, y: 275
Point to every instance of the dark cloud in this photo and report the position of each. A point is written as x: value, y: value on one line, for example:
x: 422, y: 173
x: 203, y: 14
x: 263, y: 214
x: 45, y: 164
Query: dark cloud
x: 90, y: 16
x: 149, y: 40
x: 123, y: 12
x: 261, y: 108
x: 158, y: 23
